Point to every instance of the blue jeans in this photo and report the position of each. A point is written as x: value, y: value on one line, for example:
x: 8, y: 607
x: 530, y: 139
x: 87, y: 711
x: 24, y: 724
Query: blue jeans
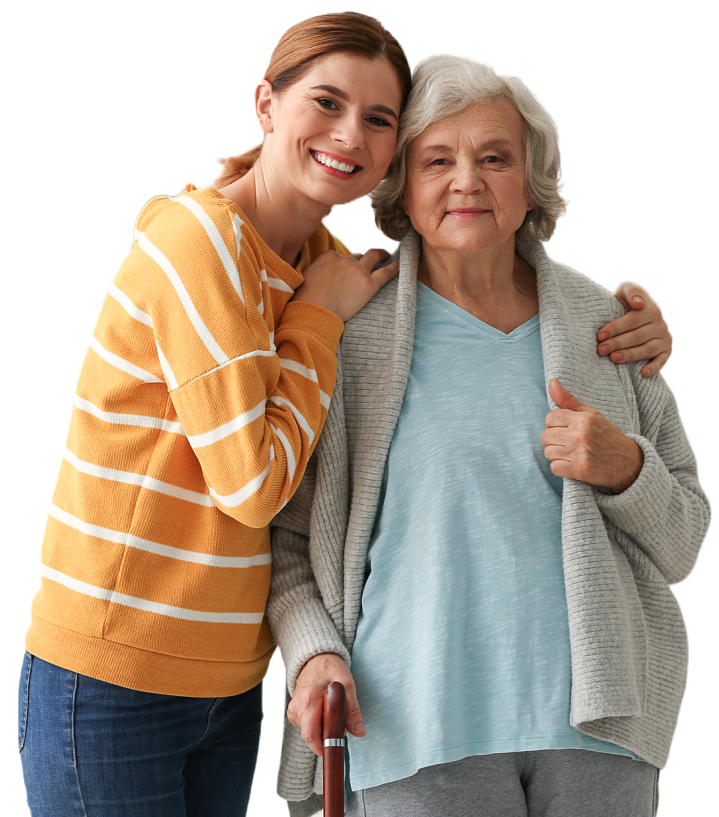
x: 93, y: 749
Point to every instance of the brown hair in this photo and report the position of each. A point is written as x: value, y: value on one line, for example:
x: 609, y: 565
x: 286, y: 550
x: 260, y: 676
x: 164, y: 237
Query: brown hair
x: 306, y: 43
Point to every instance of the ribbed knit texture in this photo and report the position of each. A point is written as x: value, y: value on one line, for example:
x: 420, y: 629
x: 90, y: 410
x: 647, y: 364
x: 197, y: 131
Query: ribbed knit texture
x: 627, y: 637
x: 198, y: 406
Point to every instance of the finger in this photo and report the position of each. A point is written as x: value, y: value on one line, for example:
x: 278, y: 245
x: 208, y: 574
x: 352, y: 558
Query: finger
x: 353, y: 722
x: 655, y: 365
x: 384, y: 274
x: 643, y: 351
x: 632, y: 320
x: 632, y: 295
x: 555, y: 436
x: 562, y: 468
x: 655, y: 329
x: 560, y: 418
x: 636, y: 338
x: 372, y: 258
x: 652, y: 340
x: 311, y: 725
x: 555, y: 452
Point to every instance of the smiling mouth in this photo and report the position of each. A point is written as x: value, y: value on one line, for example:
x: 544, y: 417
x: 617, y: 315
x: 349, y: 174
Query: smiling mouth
x: 335, y: 164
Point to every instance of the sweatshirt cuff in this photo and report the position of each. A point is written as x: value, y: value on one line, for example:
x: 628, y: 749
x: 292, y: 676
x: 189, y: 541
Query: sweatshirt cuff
x: 306, y: 631
x: 644, y: 503
x: 303, y: 316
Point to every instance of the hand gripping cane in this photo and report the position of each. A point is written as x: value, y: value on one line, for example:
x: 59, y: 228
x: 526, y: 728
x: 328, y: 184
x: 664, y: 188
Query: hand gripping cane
x: 333, y: 752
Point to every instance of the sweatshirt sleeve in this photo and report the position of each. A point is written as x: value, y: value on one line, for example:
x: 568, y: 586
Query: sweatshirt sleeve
x: 665, y: 510
x: 251, y: 396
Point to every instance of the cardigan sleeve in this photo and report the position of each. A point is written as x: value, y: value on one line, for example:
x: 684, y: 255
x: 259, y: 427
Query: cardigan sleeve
x: 251, y: 396
x: 665, y: 510
x: 301, y: 625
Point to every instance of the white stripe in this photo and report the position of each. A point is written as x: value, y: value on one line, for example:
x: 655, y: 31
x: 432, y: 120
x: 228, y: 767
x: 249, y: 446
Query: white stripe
x: 261, y: 304
x: 132, y: 310
x: 289, y: 453
x: 142, y: 480
x: 310, y: 374
x: 148, y: 606
x: 219, y: 433
x: 165, y: 366
x: 237, y: 226
x: 303, y: 424
x: 122, y: 364
x: 255, y: 353
x: 278, y: 283
x: 273, y: 348
x: 120, y: 538
x: 213, y: 234
x: 244, y: 493
x: 203, y: 332
x: 128, y: 419
x: 294, y: 366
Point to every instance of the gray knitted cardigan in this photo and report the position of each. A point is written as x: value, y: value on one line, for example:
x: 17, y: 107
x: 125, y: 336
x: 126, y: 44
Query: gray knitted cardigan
x: 628, y: 644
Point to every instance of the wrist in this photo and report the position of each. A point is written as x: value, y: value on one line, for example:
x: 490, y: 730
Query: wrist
x: 634, y: 464
x: 319, y: 665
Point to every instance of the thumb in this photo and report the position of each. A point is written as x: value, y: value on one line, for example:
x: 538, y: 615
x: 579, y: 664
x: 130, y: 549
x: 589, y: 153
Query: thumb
x: 563, y: 398
x: 631, y: 295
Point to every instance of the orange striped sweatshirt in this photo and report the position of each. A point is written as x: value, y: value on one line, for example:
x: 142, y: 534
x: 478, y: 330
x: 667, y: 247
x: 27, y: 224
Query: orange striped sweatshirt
x: 198, y: 405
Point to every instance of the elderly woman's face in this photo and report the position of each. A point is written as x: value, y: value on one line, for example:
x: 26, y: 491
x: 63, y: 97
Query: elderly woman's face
x: 465, y: 179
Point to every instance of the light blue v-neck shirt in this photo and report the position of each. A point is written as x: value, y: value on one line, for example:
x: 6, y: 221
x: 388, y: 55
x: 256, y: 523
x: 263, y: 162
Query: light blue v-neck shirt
x: 462, y: 645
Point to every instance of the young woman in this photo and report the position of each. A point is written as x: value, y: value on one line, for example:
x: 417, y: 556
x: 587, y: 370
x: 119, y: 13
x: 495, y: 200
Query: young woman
x: 201, y: 398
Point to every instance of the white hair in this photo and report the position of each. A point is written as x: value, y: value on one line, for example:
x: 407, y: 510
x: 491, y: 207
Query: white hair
x: 445, y: 86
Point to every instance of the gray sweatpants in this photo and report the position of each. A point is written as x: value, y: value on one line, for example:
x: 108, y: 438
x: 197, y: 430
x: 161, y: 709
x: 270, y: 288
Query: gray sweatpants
x: 551, y: 783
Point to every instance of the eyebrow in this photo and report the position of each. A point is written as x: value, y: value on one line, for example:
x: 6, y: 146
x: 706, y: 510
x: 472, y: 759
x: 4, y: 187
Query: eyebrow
x: 493, y: 143
x: 331, y: 89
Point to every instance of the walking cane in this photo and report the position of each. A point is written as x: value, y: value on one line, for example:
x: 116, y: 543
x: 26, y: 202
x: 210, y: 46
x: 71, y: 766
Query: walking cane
x: 333, y: 752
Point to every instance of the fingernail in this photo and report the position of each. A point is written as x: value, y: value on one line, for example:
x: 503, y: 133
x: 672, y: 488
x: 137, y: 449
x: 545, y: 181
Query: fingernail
x: 359, y: 728
x: 617, y: 357
x: 603, y: 349
x: 647, y: 373
x: 638, y: 300
x: 603, y: 335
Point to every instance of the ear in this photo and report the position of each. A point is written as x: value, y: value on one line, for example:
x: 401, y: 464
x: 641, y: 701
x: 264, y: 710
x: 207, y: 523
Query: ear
x: 263, y: 105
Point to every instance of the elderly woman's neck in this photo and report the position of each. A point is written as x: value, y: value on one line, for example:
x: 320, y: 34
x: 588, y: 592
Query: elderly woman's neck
x: 495, y: 285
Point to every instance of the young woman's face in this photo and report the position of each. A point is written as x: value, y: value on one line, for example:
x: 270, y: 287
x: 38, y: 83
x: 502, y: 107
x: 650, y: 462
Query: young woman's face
x: 331, y: 135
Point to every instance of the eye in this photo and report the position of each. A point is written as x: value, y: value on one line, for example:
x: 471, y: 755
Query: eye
x: 325, y: 102
x: 492, y: 160
x: 438, y: 162
x: 378, y: 121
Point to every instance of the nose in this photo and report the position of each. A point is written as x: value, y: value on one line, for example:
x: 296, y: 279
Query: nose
x: 349, y: 132
x: 468, y: 177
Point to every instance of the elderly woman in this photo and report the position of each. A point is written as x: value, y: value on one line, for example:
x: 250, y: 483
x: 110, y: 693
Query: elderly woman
x: 498, y: 576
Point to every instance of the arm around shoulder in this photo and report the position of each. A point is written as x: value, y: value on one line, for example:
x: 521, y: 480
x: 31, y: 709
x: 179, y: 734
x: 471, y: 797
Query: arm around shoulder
x: 251, y: 397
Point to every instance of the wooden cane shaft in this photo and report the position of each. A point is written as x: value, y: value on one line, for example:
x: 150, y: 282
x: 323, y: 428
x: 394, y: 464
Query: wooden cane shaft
x: 333, y: 757
x: 333, y: 776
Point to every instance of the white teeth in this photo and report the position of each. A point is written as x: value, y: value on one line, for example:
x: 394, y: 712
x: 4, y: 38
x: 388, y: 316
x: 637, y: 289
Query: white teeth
x: 333, y: 163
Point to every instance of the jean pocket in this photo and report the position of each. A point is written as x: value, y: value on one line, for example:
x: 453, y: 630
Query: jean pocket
x: 23, y: 700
